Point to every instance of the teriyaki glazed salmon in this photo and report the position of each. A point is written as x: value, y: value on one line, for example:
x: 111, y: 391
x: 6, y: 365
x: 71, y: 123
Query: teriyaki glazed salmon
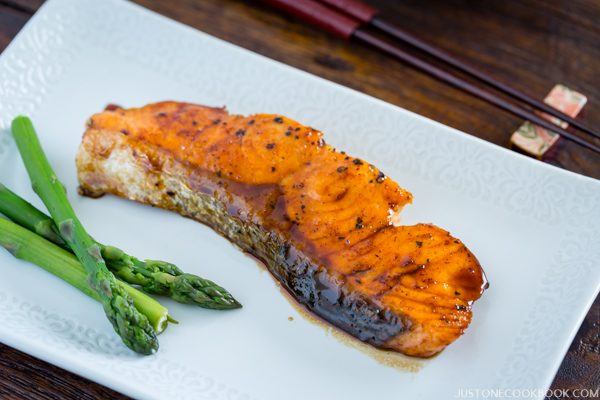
x: 325, y: 223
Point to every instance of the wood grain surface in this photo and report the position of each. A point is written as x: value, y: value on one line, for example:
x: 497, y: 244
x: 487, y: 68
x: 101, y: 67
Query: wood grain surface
x: 532, y: 44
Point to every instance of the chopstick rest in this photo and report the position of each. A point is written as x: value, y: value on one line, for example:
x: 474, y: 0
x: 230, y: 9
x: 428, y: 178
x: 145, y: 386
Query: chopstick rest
x: 536, y: 141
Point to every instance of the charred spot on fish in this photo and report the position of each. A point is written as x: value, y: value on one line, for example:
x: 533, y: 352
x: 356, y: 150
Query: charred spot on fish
x: 380, y: 177
x: 161, y: 114
x: 186, y: 133
x: 359, y: 223
x: 240, y: 132
x: 124, y: 132
x: 408, y: 261
x: 419, y: 243
x: 170, y: 193
x: 341, y: 195
x: 112, y: 107
x: 288, y: 132
x: 341, y: 169
x: 356, y: 161
x: 461, y: 307
x: 216, y: 121
x: 273, y: 169
x: 194, y: 122
x: 279, y: 120
x: 270, y: 146
x: 251, y: 122
x: 219, y: 173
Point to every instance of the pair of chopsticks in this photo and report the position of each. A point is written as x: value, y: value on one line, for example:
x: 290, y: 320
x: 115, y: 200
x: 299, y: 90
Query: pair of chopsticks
x: 347, y: 19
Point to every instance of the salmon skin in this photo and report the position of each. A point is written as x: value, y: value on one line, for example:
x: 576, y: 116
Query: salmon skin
x: 326, y: 224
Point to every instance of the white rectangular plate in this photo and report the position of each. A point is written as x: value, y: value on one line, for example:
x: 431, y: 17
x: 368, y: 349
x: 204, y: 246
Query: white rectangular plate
x: 535, y: 228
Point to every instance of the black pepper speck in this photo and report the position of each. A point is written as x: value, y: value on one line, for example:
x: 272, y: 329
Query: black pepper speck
x: 359, y: 223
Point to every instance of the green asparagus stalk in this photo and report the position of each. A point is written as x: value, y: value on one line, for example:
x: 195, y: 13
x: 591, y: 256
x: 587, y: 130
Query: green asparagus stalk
x: 132, y: 326
x: 28, y: 246
x: 156, y: 277
x: 25, y: 214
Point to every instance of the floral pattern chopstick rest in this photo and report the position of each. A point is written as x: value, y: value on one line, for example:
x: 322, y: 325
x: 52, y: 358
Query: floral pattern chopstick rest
x: 536, y: 141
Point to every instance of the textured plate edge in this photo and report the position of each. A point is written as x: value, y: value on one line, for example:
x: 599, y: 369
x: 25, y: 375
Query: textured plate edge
x: 40, y: 351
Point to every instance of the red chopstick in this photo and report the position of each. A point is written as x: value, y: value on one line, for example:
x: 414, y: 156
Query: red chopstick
x: 347, y: 26
x: 370, y: 15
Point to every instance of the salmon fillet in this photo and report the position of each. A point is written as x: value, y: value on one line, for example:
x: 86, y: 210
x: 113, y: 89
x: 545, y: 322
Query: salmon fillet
x: 326, y: 224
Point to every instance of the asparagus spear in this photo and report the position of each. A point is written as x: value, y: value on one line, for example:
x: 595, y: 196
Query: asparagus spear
x: 132, y: 326
x: 28, y: 246
x: 156, y: 277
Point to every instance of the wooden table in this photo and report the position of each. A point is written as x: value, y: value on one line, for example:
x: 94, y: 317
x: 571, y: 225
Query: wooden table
x: 531, y: 43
